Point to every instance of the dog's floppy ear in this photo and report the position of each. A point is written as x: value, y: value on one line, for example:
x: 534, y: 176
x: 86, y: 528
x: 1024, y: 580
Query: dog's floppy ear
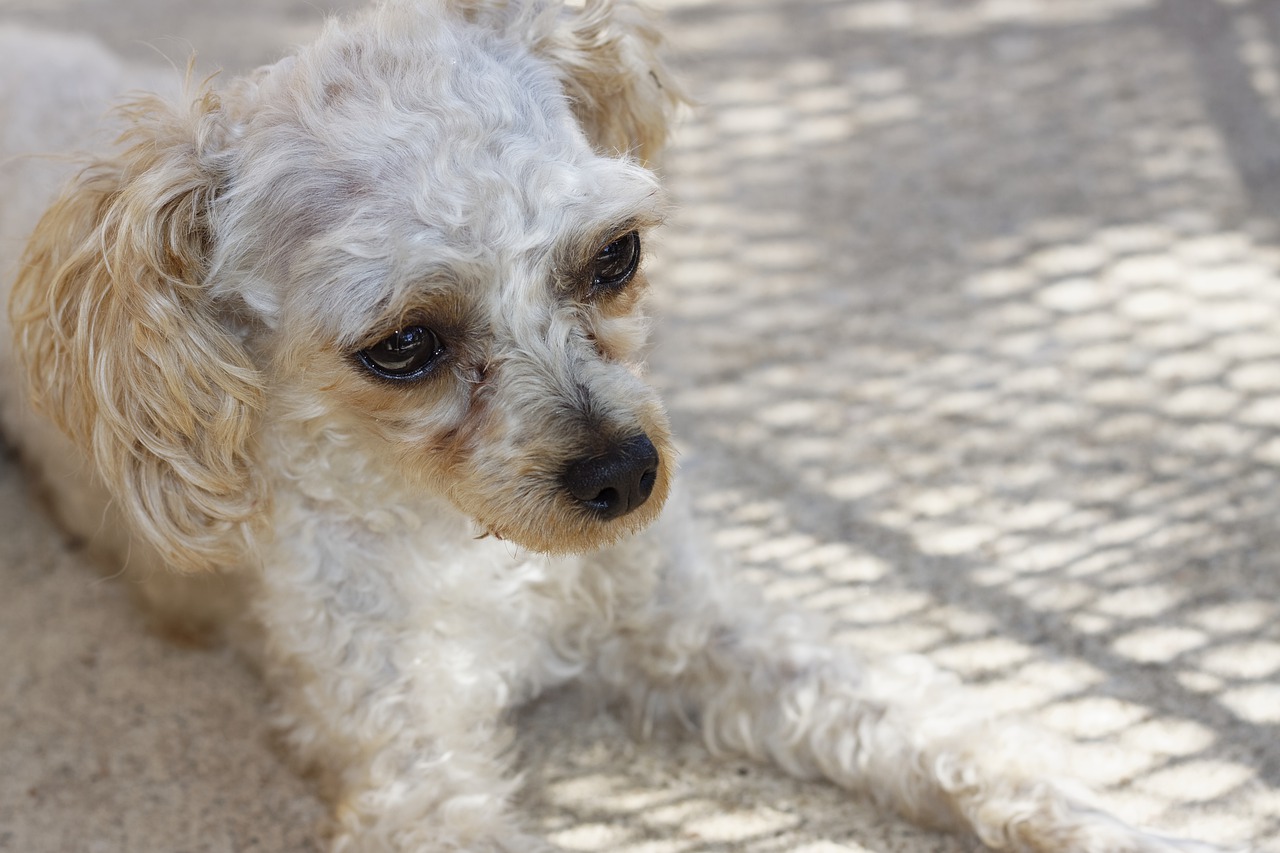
x: 611, y: 62
x: 122, y: 347
x: 610, y: 56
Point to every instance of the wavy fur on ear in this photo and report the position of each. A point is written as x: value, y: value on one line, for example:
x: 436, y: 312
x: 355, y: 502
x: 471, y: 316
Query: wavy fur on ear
x: 622, y: 91
x: 610, y: 56
x: 121, y: 346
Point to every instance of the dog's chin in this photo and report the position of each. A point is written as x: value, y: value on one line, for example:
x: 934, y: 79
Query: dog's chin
x: 563, y: 530
x: 578, y: 541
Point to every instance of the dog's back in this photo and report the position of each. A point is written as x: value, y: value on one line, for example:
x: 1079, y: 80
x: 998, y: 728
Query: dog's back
x: 56, y: 93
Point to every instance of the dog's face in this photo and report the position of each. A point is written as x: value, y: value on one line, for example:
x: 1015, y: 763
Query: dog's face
x: 433, y: 246
x: 452, y: 274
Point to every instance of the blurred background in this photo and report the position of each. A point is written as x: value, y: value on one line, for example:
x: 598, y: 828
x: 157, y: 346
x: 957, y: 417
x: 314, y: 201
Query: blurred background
x: 971, y: 336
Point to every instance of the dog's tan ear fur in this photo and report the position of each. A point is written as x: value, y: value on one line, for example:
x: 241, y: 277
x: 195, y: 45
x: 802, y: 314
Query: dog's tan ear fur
x: 610, y: 57
x: 122, y: 347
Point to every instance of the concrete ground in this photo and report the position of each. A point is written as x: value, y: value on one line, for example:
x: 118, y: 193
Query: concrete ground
x: 970, y: 337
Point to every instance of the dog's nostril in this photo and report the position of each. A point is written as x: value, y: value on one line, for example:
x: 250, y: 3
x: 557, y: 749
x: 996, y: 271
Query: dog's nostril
x: 617, y: 482
x: 647, y: 479
x: 606, y: 500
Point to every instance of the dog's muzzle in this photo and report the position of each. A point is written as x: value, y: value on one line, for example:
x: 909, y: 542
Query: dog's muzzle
x: 617, y: 482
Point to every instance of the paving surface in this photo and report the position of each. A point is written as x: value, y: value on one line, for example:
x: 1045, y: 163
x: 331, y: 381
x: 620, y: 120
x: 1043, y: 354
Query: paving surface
x: 970, y: 336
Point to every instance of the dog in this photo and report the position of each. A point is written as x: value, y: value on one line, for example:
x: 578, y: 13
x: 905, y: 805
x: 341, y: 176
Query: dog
x: 359, y: 335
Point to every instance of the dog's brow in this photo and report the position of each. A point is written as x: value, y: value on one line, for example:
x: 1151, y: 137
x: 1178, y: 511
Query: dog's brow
x: 421, y: 296
x: 575, y: 254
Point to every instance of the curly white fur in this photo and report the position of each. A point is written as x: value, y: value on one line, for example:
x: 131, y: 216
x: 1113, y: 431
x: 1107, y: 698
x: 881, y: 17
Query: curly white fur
x: 189, y: 311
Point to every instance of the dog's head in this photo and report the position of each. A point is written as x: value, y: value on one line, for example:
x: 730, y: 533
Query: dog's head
x: 420, y: 237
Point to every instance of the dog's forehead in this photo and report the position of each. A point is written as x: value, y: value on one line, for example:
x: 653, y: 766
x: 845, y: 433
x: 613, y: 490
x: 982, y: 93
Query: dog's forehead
x: 400, y: 97
x: 441, y: 153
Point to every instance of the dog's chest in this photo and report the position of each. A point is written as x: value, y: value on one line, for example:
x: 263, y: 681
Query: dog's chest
x: 433, y: 599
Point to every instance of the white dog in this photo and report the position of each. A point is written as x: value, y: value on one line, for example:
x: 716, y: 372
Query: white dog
x: 358, y: 333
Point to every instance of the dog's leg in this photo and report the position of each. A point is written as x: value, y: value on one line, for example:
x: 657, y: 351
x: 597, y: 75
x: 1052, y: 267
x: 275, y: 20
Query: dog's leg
x: 763, y: 682
x: 403, y: 773
x: 399, y: 707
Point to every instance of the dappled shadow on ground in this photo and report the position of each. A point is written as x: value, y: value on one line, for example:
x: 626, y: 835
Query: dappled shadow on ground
x: 971, y: 335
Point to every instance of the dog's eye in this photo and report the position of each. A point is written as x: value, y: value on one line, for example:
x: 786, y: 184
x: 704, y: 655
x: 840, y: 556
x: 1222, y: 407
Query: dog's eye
x: 406, y: 353
x: 616, y: 263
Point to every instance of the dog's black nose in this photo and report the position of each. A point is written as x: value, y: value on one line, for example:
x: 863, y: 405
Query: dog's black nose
x: 616, y: 482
